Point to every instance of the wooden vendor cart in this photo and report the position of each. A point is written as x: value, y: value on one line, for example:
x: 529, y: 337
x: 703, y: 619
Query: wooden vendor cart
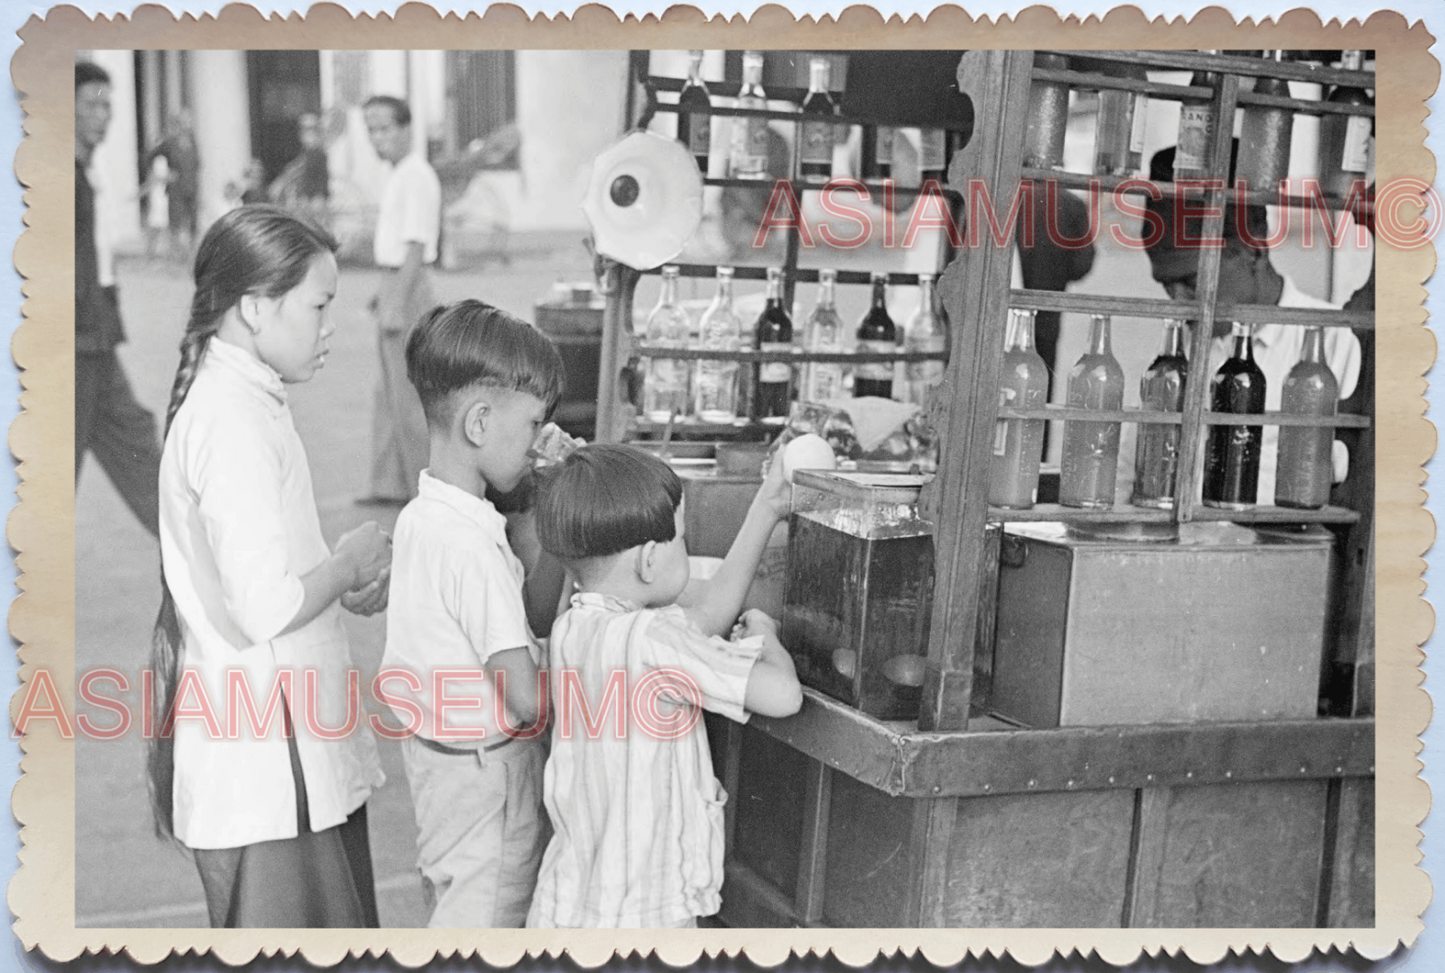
x: 960, y: 819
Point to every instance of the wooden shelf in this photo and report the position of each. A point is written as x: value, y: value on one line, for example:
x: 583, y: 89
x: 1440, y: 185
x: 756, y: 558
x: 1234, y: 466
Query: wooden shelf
x: 1253, y: 67
x: 1126, y: 514
x: 1168, y: 190
x: 1161, y: 308
x: 799, y: 275
x: 1340, y: 420
x: 800, y: 357
x: 903, y: 761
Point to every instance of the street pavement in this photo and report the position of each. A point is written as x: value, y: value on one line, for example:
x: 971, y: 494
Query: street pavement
x: 125, y: 875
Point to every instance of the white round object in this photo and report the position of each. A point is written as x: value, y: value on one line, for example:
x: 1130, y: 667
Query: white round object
x: 808, y: 452
x: 644, y: 200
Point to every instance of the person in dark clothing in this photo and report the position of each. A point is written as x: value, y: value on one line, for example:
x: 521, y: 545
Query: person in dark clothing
x: 108, y: 420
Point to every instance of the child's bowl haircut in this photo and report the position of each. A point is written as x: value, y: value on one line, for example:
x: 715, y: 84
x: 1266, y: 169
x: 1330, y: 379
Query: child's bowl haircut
x: 604, y: 499
x: 470, y: 343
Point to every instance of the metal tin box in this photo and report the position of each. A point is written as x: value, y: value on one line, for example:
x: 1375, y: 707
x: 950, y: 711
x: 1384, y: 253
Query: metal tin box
x: 1223, y: 623
x: 860, y: 589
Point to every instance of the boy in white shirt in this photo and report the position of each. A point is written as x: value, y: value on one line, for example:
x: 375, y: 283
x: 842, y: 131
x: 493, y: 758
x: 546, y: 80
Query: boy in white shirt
x: 457, y: 635
x: 635, y: 808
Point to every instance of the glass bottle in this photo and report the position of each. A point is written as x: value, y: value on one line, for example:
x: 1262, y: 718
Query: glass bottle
x: 824, y: 332
x: 1345, y: 139
x: 1091, y: 449
x: 936, y: 146
x: 749, y: 154
x: 1303, y: 473
x: 1161, y: 389
x: 773, y: 380
x: 716, y: 387
x: 1048, y: 117
x: 1013, y: 474
x: 666, y: 390
x: 1120, y: 127
x: 1265, y: 136
x: 694, y: 124
x: 815, y: 143
x: 876, y: 333
x: 876, y: 152
x: 927, y: 331
x: 1231, y: 455
x: 1196, y: 130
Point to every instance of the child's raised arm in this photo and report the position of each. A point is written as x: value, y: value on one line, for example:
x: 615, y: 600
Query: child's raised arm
x: 714, y: 605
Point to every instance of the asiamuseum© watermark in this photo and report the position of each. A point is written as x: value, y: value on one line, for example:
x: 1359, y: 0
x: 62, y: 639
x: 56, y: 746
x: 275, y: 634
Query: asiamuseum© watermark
x: 664, y: 703
x: 1406, y: 213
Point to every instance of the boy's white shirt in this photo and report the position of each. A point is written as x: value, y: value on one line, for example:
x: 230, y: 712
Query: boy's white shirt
x: 455, y: 601
x: 238, y: 529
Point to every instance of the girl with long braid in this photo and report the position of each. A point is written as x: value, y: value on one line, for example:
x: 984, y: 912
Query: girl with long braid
x: 258, y: 766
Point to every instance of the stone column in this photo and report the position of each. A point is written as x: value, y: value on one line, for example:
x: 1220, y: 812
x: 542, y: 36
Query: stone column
x: 221, y: 120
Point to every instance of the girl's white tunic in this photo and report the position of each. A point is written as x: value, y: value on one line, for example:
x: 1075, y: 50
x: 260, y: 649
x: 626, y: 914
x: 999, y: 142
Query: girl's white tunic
x: 238, y: 529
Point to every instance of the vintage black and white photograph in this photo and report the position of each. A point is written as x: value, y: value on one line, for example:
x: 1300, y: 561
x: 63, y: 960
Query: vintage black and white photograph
x: 725, y: 488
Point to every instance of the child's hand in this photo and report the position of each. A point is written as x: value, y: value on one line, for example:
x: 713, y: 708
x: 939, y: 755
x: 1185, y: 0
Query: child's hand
x: 776, y: 493
x: 368, y: 550
x: 552, y: 446
x: 755, y: 622
x: 369, y: 599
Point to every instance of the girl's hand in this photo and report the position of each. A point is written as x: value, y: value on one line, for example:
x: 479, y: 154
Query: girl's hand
x: 368, y: 550
x: 369, y: 599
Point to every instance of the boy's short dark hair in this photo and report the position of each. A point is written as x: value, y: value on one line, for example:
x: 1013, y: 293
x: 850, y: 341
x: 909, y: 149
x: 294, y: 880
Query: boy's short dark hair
x: 604, y: 499
x: 400, y: 110
x: 88, y: 72
x: 469, y: 343
x: 1176, y: 254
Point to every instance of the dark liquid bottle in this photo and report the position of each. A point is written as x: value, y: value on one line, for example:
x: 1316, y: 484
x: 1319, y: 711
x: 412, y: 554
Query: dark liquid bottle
x: 694, y: 125
x: 1091, y: 449
x: 1013, y: 473
x: 1161, y: 389
x: 876, y: 333
x: 1345, y: 139
x: 1302, y: 476
x: 1231, y: 458
x: 1048, y: 117
x: 815, y: 147
x: 773, y: 380
x: 876, y: 152
x: 1266, y: 135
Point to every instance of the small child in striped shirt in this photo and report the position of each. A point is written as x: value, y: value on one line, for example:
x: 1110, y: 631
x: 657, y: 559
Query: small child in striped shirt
x: 629, y: 785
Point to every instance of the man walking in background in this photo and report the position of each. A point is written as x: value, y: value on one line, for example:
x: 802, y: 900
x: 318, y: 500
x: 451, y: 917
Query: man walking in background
x: 108, y: 420
x: 408, y: 227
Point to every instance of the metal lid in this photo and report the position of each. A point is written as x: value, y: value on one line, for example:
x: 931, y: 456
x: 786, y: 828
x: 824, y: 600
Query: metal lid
x: 873, y: 487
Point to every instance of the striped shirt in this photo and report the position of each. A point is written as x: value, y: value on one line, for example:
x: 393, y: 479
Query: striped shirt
x: 635, y: 808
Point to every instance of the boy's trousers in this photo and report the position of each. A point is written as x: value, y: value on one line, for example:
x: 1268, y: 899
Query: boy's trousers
x: 481, y: 830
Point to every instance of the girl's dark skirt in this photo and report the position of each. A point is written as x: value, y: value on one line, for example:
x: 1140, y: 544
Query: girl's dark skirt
x: 319, y: 879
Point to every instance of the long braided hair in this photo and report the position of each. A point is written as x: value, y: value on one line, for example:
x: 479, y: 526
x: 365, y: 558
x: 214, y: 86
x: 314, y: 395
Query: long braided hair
x: 259, y: 250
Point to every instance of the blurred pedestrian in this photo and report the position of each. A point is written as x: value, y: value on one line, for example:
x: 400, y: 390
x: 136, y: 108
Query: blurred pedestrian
x: 276, y: 822
x: 408, y: 228
x: 183, y: 172
x: 109, y: 422
x: 303, y: 187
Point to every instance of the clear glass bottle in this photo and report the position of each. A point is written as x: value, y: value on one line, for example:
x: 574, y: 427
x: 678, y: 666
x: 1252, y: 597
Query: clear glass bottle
x: 824, y: 333
x: 1231, y: 454
x: 1120, y: 127
x: 816, y: 130
x: 1161, y: 389
x: 1345, y: 139
x: 667, y: 382
x: 1091, y: 449
x: 1196, y: 130
x: 694, y: 123
x: 1303, y: 473
x: 1266, y: 134
x: 1048, y: 117
x: 927, y: 332
x: 1013, y: 475
x: 716, y: 385
x: 749, y: 153
x: 876, y: 333
x: 773, y: 381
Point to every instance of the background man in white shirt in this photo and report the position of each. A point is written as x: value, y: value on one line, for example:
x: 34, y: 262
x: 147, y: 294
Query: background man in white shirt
x: 408, y: 226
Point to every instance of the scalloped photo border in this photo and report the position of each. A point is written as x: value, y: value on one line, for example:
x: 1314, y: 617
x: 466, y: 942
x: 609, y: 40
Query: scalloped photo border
x: 42, y: 526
